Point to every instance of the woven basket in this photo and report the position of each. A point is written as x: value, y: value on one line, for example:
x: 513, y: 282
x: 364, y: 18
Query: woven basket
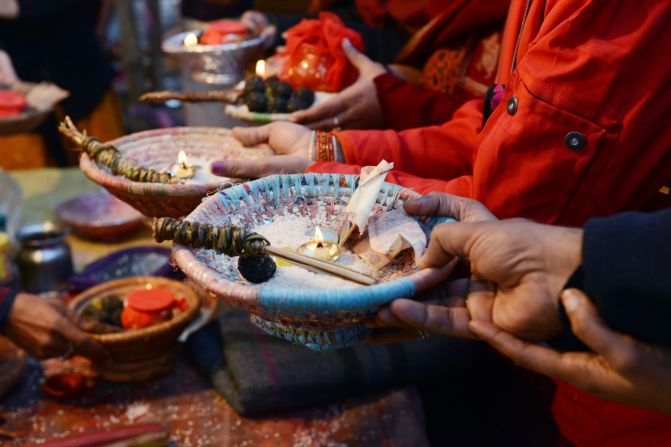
x: 140, y: 354
x: 158, y: 149
x: 318, y: 318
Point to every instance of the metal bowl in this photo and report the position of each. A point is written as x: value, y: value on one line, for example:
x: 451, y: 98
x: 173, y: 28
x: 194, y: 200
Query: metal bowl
x: 215, y: 64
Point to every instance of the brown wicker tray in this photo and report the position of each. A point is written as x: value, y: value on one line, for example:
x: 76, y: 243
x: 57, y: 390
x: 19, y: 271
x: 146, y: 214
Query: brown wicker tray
x: 158, y: 149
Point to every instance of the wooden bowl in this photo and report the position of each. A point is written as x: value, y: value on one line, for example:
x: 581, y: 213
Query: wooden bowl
x: 139, y: 354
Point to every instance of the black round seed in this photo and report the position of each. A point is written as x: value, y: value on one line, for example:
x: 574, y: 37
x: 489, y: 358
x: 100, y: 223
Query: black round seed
x: 305, y: 94
x: 296, y: 103
x: 278, y: 105
x: 271, y: 82
x: 254, y: 84
x: 256, y: 269
x: 283, y: 90
x: 256, y: 102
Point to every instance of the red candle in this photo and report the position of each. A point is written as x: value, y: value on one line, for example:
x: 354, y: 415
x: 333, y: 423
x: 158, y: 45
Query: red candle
x: 150, y: 300
x: 147, y: 307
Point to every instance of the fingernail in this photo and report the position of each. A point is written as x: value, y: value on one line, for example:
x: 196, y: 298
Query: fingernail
x: 346, y: 43
x: 570, y: 300
x: 217, y: 167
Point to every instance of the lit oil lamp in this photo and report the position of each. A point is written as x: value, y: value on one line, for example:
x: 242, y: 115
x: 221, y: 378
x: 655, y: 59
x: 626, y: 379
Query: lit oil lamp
x: 182, y: 169
x: 323, y: 246
x: 261, y: 68
x: 190, y: 40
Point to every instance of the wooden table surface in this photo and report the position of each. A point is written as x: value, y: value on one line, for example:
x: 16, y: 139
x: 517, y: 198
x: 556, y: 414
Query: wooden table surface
x: 183, y: 402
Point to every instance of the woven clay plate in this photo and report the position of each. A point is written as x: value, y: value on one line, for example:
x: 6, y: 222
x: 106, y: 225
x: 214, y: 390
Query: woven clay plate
x: 99, y: 215
x: 158, y: 149
x: 319, y: 317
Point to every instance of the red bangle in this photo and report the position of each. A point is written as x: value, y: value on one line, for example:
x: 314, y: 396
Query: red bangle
x: 325, y: 147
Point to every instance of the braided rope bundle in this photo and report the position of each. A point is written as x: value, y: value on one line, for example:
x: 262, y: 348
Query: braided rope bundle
x: 110, y: 156
x: 230, y: 240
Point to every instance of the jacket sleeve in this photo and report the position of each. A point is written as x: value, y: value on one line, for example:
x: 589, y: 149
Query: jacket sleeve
x: 626, y: 271
x: 406, y: 105
x: 586, y: 134
x: 460, y: 186
x: 448, y: 147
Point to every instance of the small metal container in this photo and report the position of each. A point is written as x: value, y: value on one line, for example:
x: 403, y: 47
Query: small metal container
x: 44, y: 259
x: 215, y: 64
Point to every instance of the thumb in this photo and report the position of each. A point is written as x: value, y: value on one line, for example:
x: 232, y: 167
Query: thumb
x: 250, y: 136
x: 588, y: 326
x: 440, y: 204
x: 238, y: 168
x: 356, y: 58
x: 447, y: 241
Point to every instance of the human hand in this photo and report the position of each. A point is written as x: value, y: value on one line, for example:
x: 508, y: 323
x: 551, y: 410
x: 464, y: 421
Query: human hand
x: 444, y: 309
x: 620, y: 368
x: 258, y: 23
x: 525, y: 266
x: 289, y: 141
x: 7, y: 73
x: 437, y: 204
x: 356, y: 107
x: 441, y: 310
x: 526, y: 263
x: 39, y: 326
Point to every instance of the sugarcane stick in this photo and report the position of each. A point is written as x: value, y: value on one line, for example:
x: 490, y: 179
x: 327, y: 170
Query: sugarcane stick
x: 109, y: 156
x: 235, y: 241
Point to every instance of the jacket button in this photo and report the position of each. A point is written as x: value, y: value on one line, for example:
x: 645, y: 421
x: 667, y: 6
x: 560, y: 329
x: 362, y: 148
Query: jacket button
x: 575, y: 141
x: 512, y: 105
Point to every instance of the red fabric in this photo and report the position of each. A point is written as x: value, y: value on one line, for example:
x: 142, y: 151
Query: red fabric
x: 589, y: 421
x: 427, y: 106
x: 315, y: 56
x: 453, y: 21
x: 621, y: 113
x: 589, y: 66
x: 466, y: 33
x: 409, y: 15
x: 379, y: 13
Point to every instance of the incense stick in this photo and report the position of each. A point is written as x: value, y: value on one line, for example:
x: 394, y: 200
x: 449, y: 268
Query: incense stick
x: 228, y: 96
x: 314, y: 264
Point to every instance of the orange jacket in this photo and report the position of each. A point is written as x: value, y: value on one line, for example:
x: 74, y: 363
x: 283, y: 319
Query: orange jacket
x: 595, y: 67
x: 582, y: 131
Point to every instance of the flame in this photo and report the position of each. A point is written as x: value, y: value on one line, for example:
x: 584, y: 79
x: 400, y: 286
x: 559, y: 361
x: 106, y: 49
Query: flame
x: 182, y: 159
x: 260, y: 67
x: 319, y: 236
x: 190, y: 40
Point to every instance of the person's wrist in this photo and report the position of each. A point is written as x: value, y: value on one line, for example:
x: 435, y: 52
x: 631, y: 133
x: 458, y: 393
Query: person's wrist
x: 569, y: 252
x: 564, y: 258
